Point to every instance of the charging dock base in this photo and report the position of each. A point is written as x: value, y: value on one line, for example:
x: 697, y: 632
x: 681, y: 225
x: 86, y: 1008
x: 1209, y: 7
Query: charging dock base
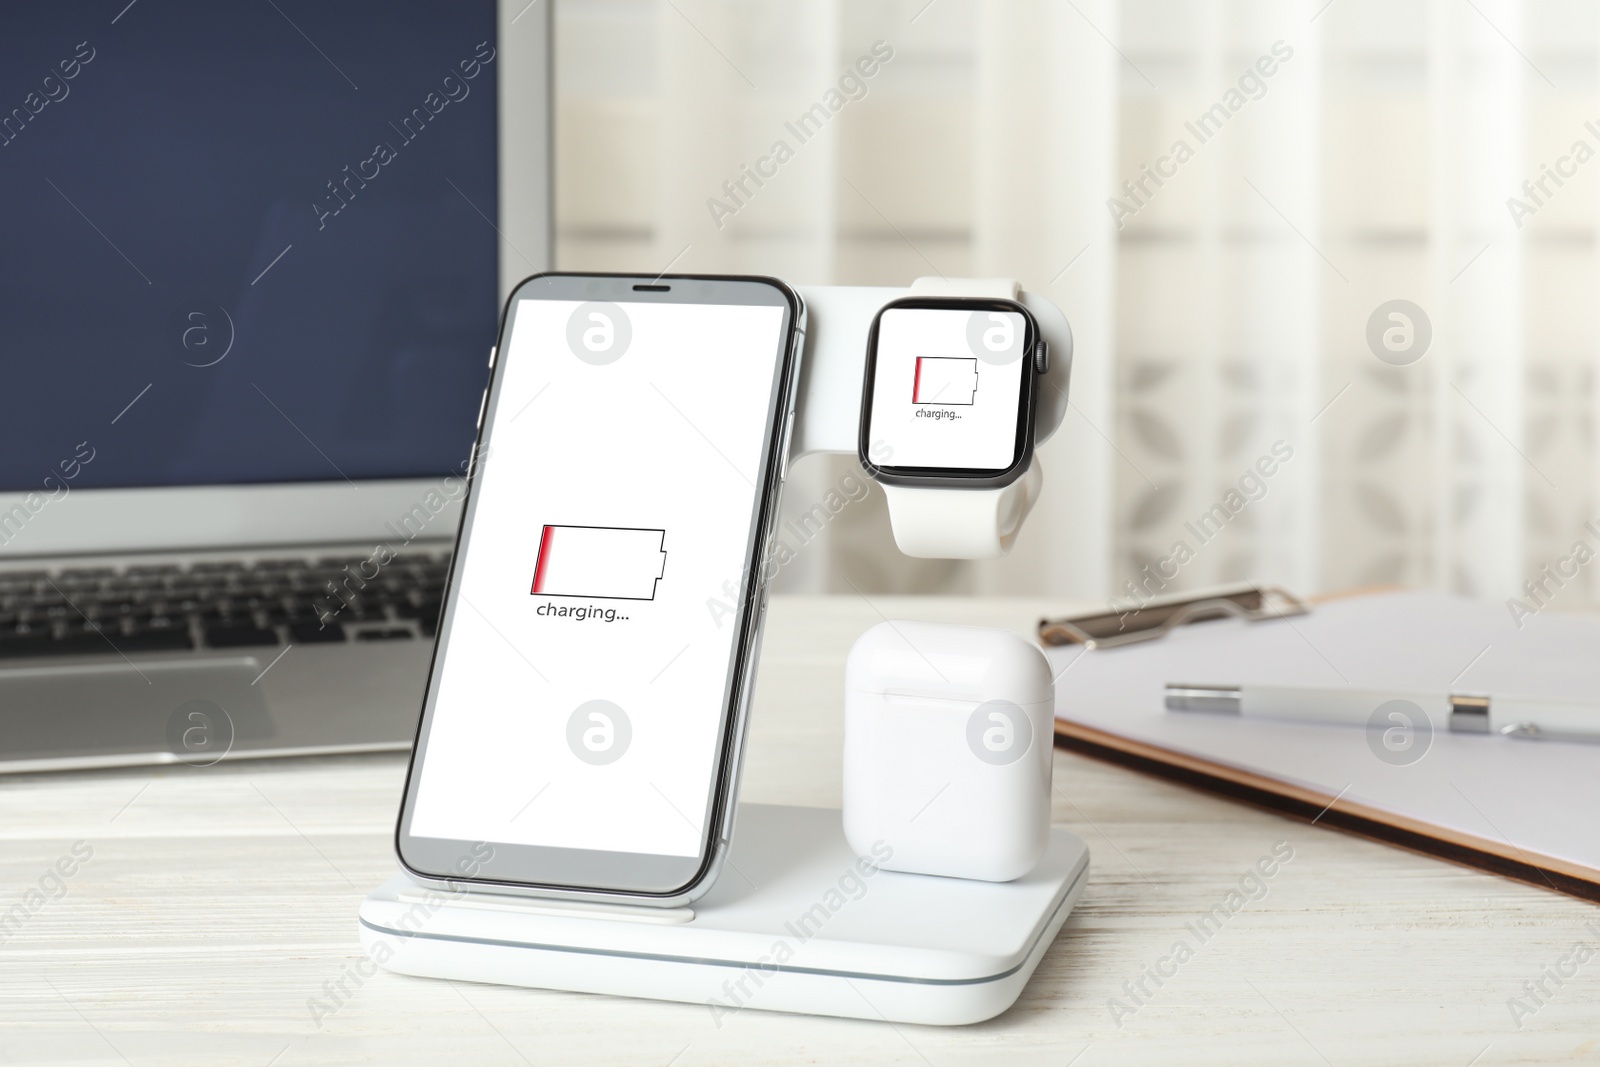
x: 793, y: 924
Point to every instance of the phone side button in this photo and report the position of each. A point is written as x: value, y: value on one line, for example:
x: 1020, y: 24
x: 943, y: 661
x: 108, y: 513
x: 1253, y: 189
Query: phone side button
x: 483, y: 405
x: 494, y: 350
x: 788, y: 439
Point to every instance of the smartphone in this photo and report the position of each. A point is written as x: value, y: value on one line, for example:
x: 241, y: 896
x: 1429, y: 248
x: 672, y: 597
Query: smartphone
x: 585, y: 709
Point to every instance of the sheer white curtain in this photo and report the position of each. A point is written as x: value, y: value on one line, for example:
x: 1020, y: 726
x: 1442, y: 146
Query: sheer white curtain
x: 1230, y: 417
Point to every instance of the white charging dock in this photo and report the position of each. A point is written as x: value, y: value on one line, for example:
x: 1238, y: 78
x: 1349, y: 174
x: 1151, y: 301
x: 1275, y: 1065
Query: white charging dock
x: 791, y: 925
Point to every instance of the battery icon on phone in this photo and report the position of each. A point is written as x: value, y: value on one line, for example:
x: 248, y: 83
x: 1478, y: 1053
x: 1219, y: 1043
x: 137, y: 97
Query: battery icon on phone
x: 944, y: 380
x: 611, y: 562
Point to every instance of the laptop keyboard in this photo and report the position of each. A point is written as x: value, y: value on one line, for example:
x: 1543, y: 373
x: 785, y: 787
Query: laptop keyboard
x: 226, y: 604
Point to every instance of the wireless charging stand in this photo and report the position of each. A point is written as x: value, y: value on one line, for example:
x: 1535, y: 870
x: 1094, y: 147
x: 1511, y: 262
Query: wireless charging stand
x: 796, y: 921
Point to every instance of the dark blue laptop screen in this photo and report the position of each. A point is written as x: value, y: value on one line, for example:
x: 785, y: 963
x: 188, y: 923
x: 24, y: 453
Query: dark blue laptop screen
x: 244, y: 242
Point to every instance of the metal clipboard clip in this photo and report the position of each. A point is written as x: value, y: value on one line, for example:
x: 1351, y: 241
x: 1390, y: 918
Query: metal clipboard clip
x: 1159, y: 616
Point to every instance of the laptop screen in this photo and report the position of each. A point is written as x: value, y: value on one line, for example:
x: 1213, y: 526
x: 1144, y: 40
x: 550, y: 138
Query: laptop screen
x: 244, y: 243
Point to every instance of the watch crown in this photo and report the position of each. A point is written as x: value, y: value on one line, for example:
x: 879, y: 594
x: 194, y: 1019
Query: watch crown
x: 1041, y: 356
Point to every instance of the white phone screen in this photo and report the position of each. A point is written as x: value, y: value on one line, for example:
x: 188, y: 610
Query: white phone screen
x: 584, y: 675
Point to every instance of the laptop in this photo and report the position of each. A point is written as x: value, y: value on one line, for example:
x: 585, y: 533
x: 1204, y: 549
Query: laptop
x: 252, y: 268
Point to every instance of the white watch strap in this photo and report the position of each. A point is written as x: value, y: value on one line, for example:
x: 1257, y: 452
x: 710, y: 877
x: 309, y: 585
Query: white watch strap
x: 962, y: 523
x: 993, y: 288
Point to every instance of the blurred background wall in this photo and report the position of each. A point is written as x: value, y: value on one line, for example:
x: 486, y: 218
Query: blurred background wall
x: 1230, y: 297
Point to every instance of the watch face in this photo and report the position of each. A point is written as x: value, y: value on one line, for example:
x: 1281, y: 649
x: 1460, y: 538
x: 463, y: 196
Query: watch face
x: 949, y: 391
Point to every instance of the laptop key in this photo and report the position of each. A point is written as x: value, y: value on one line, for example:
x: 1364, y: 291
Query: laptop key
x: 76, y: 587
x: 238, y: 636
x: 388, y: 633
x: 161, y: 624
x: 311, y: 633
x: 155, y: 641
x: 17, y: 647
x: 134, y: 579
x: 75, y: 573
x: 300, y: 613
x: 78, y: 644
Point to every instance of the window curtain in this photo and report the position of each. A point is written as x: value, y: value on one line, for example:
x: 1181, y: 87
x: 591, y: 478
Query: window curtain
x: 1232, y: 202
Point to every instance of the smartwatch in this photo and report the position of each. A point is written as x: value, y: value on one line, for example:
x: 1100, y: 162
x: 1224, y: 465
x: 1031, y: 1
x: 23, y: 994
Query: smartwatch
x: 947, y: 415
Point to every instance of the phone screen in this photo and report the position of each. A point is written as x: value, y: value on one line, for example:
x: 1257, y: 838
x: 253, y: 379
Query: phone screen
x: 587, y: 668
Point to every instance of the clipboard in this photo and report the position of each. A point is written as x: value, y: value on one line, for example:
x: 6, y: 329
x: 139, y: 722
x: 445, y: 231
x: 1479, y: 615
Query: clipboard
x: 1520, y: 809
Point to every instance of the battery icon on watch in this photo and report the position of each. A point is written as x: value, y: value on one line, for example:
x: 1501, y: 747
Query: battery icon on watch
x: 944, y: 380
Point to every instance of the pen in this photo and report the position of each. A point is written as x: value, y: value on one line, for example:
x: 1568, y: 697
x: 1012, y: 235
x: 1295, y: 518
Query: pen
x: 1460, y: 713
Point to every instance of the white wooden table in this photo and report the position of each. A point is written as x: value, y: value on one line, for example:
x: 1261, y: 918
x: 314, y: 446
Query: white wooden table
x: 218, y: 902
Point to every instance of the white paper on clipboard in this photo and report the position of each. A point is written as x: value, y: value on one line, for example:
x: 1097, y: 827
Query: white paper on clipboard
x: 1537, y: 797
